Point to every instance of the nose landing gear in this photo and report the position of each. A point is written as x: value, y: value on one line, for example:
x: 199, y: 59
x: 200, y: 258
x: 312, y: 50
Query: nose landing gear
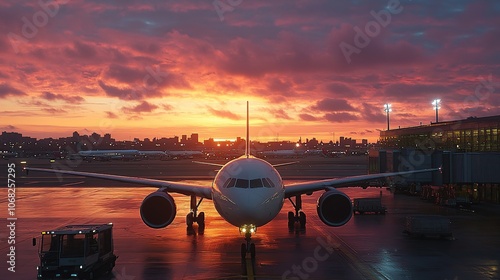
x: 249, y: 246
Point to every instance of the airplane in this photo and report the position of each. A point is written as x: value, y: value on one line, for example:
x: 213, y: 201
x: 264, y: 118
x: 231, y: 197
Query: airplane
x: 153, y: 154
x: 247, y: 192
x: 184, y: 154
x: 108, y: 154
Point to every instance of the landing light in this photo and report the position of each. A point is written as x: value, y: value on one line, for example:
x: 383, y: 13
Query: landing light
x: 248, y: 228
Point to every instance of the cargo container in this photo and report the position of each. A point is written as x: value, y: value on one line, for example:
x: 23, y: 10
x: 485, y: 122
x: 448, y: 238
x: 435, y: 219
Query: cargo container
x: 368, y: 205
x: 428, y: 226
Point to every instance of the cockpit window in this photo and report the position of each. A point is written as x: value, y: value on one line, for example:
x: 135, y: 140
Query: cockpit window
x: 241, y: 183
x: 229, y: 183
x: 244, y: 184
x: 256, y: 183
x: 268, y: 183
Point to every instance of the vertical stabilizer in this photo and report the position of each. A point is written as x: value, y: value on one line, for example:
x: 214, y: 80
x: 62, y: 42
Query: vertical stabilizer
x: 247, y: 147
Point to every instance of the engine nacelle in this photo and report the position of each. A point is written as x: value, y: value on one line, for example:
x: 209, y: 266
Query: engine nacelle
x: 158, y: 209
x: 334, y: 208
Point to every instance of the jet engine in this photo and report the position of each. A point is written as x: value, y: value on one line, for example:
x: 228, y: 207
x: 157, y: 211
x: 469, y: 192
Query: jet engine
x: 334, y: 208
x: 158, y: 209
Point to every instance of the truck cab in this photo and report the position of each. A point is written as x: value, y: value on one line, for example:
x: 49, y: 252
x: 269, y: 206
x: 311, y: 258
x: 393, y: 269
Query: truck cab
x: 76, y: 251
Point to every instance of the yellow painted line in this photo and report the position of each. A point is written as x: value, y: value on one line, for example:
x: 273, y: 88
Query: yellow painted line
x: 250, y: 273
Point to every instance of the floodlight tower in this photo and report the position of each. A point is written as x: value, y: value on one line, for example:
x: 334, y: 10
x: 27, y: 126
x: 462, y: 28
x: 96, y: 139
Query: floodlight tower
x: 387, y: 109
x: 436, y: 104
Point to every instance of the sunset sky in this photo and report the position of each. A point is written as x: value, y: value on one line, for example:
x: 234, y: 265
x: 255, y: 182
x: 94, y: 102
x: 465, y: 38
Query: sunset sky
x: 166, y: 68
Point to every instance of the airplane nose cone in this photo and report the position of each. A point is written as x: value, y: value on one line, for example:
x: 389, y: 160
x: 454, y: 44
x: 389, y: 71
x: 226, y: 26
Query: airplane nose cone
x: 258, y: 210
x: 251, y: 207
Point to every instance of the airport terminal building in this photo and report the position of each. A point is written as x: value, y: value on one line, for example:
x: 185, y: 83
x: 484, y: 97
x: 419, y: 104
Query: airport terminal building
x: 468, y: 151
x: 467, y: 135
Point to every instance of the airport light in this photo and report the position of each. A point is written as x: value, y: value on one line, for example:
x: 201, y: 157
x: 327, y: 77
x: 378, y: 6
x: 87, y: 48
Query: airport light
x: 436, y: 104
x: 387, y: 109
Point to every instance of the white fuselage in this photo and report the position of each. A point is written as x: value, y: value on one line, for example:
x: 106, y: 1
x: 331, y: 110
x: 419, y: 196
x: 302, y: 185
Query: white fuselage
x: 248, y: 191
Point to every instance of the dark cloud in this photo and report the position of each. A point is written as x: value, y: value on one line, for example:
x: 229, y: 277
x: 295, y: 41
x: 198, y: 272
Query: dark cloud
x: 277, y: 85
x: 69, y: 99
x: 333, y: 105
x: 81, y: 50
x: 148, y: 48
x: 223, y: 114
x: 6, y: 90
x: 9, y: 127
x: 143, y: 107
x: 111, y: 115
x: 307, y: 117
x: 54, y: 111
x: 372, y: 113
x: 340, y: 90
x: 342, y: 117
x: 415, y: 91
x: 280, y: 114
x: 167, y: 107
x: 125, y: 74
x: 121, y: 93
x: 283, y: 55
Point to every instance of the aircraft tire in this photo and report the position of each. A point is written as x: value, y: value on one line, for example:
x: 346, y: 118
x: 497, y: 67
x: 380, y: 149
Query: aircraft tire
x: 252, y: 251
x: 243, y: 250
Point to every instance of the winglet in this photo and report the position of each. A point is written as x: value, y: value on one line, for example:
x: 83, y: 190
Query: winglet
x: 247, y: 147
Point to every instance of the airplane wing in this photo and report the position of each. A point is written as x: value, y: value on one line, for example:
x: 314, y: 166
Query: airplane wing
x: 312, y: 186
x: 176, y: 187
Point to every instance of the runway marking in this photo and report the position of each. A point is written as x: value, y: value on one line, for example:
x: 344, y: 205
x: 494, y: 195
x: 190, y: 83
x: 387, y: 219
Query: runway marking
x: 350, y: 255
x: 72, y: 184
x: 249, y: 266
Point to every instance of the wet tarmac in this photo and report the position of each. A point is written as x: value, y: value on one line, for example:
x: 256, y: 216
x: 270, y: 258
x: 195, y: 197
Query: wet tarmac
x: 368, y: 247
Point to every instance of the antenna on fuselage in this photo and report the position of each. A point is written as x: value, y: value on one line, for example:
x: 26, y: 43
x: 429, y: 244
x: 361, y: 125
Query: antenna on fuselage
x: 247, y: 147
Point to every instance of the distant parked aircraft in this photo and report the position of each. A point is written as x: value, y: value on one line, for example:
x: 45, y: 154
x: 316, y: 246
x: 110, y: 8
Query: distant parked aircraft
x: 104, y: 155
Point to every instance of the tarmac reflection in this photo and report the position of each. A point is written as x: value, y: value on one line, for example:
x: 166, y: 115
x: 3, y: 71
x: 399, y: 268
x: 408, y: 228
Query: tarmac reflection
x: 368, y: 247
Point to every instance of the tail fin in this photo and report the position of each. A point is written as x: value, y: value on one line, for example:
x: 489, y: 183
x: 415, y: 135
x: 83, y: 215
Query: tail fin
x: 247, y: 147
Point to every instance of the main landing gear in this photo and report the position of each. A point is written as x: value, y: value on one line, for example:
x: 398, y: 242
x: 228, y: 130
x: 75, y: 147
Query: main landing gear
x: 194, y: 216
x: 249, y: 246
x: 297, y: 217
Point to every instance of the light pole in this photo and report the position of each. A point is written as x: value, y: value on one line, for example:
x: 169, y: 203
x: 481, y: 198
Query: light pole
x: 387, y: 109
x: 436, y: 104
